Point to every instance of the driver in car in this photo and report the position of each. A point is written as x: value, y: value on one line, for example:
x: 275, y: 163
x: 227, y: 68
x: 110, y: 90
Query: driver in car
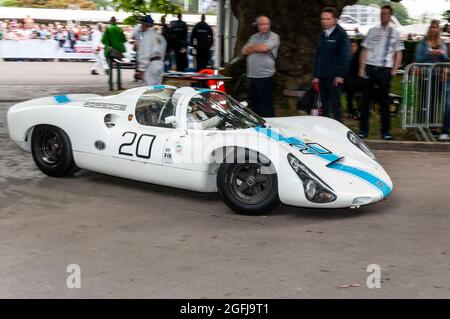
x: 196, y: 119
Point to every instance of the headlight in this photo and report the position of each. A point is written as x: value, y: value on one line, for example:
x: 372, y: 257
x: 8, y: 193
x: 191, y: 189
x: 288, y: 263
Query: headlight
x: 316, y: 190
x: 359, y: 143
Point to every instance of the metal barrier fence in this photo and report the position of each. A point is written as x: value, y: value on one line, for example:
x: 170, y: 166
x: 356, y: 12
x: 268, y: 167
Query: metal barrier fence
x: 426, y: 92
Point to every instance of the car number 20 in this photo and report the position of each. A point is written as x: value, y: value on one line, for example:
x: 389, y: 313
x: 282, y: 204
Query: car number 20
x: 142, y: 148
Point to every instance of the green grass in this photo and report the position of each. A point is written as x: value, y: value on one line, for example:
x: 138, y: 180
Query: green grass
x: 375, y: 125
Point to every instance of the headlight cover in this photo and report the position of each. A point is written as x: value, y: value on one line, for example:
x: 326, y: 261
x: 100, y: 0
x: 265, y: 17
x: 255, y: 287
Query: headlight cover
x: 315, y: 189
x: 359, y: 143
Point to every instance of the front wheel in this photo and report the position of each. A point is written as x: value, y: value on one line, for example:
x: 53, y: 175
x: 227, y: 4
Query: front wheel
x: 52, y: 151
x: 246, y: 189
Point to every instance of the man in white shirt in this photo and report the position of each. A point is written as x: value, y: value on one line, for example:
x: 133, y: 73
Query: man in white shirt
x: 97, y: 48
x: 151, y: 52
x: 380, y: 59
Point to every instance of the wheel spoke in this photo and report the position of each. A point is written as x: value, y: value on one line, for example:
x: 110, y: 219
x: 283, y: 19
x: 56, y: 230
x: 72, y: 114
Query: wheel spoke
x: 243, y: 187
x: 260, y: 178
x: 242, y: 176
x: 252, y: 170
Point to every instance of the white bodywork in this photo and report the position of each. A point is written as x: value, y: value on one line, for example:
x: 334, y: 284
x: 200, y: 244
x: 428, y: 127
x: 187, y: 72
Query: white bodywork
x: 184, y: 158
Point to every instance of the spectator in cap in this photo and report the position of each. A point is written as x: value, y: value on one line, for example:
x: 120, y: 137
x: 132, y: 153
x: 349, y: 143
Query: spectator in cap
x: 151, y: 52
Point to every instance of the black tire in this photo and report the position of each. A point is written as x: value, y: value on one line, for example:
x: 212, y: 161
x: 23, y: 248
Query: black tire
x: 52, y: 151
x: 256, y: 195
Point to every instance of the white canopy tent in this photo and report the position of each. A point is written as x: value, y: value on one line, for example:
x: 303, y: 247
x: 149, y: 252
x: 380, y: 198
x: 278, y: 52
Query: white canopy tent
x: 86, y: 15
x: 224, y: 23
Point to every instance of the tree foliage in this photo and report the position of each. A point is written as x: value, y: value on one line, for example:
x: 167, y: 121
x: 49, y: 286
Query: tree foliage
x: 139, y: 8
x: 400, y: 10
x: 446, y: 15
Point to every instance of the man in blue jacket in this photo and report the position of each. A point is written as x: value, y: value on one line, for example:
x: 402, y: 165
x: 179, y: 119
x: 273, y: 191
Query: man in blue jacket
x: 333, y: 56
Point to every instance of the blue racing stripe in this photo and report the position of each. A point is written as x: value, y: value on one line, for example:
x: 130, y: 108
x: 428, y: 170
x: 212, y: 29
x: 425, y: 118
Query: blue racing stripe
x: 373, y: 180
x: 61, y: 99
x: 332, y: 158
x: 158, y: 87
x: 305, y: 148
x: 205, y: 90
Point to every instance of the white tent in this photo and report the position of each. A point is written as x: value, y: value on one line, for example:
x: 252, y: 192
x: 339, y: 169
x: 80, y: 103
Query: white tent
x: 86, y: 15
x: 416, y: 29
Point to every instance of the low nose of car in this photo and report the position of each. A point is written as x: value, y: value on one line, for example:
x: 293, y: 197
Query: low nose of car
x: 359, y: 182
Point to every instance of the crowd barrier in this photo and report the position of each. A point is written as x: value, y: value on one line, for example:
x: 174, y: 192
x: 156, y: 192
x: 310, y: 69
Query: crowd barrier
x: 44, y: 49
x: 426, y: 91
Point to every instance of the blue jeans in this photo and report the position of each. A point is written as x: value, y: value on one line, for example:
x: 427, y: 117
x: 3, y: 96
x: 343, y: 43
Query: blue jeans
x: 446, y: 124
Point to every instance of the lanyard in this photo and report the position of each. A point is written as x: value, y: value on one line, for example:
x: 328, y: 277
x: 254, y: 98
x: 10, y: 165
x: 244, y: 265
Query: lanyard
x: 386, y: 49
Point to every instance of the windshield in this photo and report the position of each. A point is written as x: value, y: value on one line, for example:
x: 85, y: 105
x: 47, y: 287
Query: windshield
x: 212, y: 110
x: 153, y: 106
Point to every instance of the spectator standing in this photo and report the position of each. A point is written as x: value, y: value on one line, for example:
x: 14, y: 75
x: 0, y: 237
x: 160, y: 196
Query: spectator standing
x: 2, y: 30
x: 332, y: 61
x: 97, y: 48
x: 136, y: 38
x: 152, y: 48
x: 71, y: 37
x: 168, y: 36
x: 179, y: 31
x: 261, y: 51
x: 352, y: 83
x: 114, y: 40
x: 44, y: 33
x: 202, y: 40
x: 432, y: 49
x: 381, y: 57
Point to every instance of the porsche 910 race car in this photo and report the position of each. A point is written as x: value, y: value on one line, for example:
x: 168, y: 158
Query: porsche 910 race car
x: 201, y: 140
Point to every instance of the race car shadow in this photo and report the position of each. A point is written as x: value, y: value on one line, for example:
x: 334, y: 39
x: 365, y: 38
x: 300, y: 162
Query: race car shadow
x: 110, y: 182
x: 280, y: 210
x: 87, y: 183
x: 335, y: 213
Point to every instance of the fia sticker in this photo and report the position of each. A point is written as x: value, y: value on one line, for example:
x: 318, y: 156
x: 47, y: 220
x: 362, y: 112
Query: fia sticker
x: 167, y: 157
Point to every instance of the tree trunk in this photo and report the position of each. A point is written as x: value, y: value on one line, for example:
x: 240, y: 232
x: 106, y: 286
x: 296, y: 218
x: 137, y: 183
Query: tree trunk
x: 297, y: 22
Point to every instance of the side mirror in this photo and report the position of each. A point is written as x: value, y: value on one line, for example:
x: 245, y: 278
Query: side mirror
x: 172, y: 120
x: 244, y: 103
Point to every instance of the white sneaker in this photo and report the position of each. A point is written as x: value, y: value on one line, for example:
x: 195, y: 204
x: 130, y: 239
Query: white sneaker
x: 444, y: 138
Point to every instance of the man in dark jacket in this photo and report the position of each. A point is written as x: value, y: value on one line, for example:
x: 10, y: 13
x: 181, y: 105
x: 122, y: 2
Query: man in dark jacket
x: 201, y: 41
x: 333, y: 57
x: 179, y: 31
x: 167, y: 34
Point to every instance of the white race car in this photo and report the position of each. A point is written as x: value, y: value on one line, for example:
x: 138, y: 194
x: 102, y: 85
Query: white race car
x: 201, y: 140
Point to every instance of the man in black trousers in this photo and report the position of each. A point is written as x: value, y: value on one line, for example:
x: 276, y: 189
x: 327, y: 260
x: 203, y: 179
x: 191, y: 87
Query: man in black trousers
x: 202, y: 40
x: 179, y: 32
x: 261, y: 51
x: 333, y: 58
x: 380, y: 59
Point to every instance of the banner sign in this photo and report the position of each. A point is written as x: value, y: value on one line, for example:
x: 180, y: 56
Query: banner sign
x: 45, y: 49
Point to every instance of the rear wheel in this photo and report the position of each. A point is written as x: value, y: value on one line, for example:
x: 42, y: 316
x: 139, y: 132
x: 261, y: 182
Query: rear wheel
x: 246, y: 190
x: 52, y: 151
